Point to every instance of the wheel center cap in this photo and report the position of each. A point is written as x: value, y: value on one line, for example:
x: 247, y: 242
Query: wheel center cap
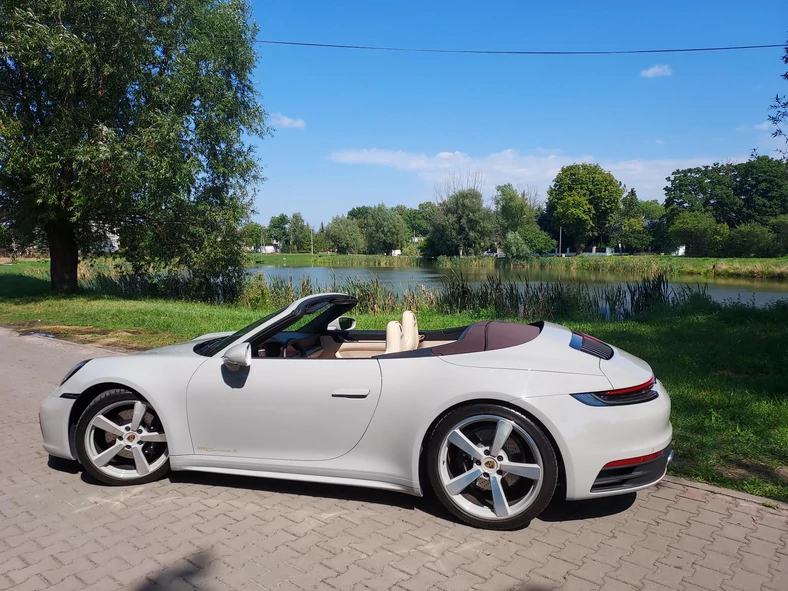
x: 490, y: 464
x: 131, y: 437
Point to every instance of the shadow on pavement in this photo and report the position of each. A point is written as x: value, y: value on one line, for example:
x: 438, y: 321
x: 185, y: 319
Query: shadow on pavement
x: 561, y: 510
x: 61, y: 465
x: 193, y: 570
x: 292, y: 487
x: 557, y: 510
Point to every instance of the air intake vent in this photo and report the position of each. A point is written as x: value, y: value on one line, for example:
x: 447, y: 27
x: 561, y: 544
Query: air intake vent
x: 586, y: 344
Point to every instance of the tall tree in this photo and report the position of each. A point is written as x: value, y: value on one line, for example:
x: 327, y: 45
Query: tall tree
x: 278, y: 228
x: 463, y: 226
x: 421, y: 219
x: 631, y: 231
x: 584, y: 200
x: 252, y: 234
x: 516, y: 212
x: 704, y: 188
x: 385, y: 230
x: 129, y: 118
x: 699, y: 232
x: 511, y: 209
x: 344, y: 235
x: 779, y: 108
x: 300, y: 235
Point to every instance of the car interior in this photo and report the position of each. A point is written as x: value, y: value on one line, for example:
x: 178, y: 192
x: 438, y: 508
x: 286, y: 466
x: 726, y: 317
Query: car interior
x: 316, y: 332
x: 398, y: 337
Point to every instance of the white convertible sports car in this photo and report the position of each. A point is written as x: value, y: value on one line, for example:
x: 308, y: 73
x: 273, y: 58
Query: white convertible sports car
x: 494, y: 417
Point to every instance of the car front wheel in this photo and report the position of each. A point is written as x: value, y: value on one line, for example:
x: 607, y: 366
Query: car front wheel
x: 491, y: 466
x: 120, y: 440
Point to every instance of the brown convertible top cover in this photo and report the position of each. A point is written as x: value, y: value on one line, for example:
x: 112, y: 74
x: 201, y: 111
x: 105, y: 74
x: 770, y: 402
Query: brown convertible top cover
x: 490, y: 335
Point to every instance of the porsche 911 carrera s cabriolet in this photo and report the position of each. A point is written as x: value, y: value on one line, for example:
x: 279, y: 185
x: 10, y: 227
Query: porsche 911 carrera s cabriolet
x: 494, y: 417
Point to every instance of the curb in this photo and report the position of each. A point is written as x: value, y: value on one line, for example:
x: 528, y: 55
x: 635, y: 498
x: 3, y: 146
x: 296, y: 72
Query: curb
x: 56, y: 342
x: 770, y: 503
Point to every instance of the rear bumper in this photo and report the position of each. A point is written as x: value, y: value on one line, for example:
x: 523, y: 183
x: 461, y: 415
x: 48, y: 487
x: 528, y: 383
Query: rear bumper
x: 589, y: 437
x: 53, y: 417
x: 626, y: 478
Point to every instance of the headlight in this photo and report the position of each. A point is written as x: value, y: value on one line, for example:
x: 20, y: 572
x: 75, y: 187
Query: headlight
x: 74, y: 370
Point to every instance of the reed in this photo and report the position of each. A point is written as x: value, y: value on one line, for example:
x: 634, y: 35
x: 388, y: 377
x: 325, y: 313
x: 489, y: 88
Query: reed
x: 495, y: 296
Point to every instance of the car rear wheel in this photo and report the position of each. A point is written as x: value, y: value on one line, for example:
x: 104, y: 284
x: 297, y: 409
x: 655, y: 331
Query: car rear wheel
x: 491, y: 467
x: 120, y: 440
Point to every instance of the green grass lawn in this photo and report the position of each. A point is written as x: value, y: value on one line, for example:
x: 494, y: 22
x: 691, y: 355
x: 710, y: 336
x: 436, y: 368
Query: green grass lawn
x: 726, y: 367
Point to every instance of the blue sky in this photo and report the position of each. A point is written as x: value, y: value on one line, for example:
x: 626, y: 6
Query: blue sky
x: 361, y: 127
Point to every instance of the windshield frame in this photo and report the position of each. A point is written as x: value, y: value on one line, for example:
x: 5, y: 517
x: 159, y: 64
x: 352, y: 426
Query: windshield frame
x: 280, y: 320
x: 214, y: 346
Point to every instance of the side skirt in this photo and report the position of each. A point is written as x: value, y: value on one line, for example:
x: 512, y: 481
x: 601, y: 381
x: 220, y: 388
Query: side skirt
x: 249, y: 467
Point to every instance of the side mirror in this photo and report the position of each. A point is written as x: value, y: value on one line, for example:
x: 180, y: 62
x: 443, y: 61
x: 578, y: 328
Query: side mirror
x: 342, y: 323
x: 238, y: 356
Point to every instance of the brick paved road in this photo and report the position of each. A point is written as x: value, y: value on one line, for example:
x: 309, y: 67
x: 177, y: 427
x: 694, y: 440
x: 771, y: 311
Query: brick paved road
x: 58, y: 530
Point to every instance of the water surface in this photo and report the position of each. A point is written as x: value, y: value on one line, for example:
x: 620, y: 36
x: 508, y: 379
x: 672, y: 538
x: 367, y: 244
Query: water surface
x: 748, y: 290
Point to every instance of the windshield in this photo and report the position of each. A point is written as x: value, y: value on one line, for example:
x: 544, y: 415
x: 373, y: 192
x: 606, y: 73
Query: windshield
x: 210, y: 348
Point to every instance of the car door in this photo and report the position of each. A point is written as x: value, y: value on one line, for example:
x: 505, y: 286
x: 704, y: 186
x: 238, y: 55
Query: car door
x: 282, y: 409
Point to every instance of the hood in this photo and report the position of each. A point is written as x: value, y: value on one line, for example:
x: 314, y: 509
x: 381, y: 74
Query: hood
x: 186, y: 348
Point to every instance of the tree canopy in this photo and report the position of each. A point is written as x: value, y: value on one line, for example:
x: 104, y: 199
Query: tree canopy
x: 129, y: 118
x: 584, y: 200
x: 252, y: 235
x: 344, y: 235
x: 385, y: 230
x: 462, y: 226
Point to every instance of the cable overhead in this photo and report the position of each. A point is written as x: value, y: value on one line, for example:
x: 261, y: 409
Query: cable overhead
x: 514, y: 52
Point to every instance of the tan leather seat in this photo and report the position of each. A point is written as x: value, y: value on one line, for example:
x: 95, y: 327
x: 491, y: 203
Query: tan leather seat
x: 395, y: 340
x: 410, y: 331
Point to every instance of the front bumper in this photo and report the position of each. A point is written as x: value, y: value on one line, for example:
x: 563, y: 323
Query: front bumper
x: 53, y: 417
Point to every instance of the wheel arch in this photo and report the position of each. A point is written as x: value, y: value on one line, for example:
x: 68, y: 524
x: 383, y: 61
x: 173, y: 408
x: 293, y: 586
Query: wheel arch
x: 421, y: 475
x: 83, y: 401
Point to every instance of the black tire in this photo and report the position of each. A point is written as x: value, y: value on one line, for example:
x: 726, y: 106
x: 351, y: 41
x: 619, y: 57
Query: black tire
x: 100, y: 403
x: 549, y: 473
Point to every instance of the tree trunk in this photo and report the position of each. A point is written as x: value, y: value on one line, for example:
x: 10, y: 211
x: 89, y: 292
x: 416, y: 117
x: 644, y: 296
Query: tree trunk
x: 63, y: 254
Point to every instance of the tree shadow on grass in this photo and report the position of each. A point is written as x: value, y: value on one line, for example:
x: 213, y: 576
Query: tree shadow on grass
x: 22, y: 287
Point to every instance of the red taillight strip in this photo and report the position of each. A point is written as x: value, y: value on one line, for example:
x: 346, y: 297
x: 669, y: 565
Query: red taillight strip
x: 588, y: 336
x: 643, y: 386
x: 632, y: 461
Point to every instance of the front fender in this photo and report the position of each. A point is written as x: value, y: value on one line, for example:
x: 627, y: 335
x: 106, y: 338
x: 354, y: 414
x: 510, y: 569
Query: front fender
x: 161, y: 380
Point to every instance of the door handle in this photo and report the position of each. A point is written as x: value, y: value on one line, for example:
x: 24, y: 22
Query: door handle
x: 350, y: 393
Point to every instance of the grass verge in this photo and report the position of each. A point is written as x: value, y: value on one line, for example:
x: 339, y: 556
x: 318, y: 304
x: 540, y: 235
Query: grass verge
x: 725, y: 366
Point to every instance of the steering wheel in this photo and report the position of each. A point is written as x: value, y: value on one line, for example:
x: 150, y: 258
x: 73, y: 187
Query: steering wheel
x: 296, y: 345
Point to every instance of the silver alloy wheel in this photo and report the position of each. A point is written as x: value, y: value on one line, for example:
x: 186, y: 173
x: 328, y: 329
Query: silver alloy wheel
x: 480, y: 467
x: 122, y: 441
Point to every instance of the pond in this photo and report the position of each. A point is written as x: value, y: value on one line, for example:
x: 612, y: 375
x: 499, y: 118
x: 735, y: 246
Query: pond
x: 756, y: 291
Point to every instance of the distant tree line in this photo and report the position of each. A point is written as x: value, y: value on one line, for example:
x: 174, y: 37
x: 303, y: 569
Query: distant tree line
x: 736, y: 210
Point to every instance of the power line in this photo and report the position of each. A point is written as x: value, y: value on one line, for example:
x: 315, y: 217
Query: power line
x: 513, y: 52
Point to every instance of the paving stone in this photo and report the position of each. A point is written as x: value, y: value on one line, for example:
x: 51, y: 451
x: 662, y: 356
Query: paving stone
x: 707, y: 578
x: 745, y: 580
x: 499, y: 582
x: 593, y: 571
x: 423, y: 579
x: 631, y: 574
x: 386, y: 579
x: 576, y: 584
x: 59, y: 532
